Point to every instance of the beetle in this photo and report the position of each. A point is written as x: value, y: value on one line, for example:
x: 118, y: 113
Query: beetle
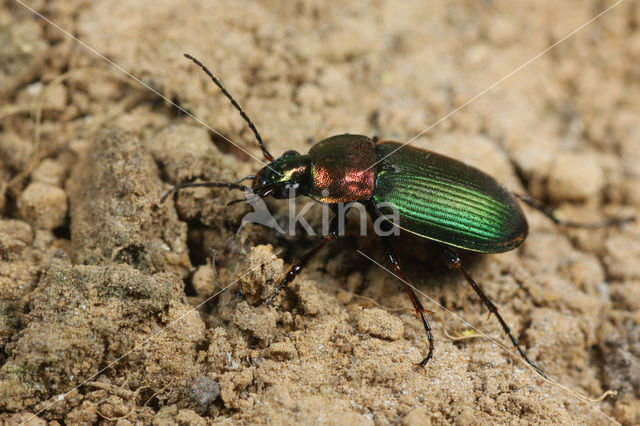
x: 438, y: 198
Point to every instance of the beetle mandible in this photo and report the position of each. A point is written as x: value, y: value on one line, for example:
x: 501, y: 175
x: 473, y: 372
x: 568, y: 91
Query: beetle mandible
x: 438, y: 198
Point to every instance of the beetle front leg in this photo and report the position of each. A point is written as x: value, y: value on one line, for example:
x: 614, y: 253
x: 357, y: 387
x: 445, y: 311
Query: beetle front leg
x: 453, y: 261
x: 420, y: 310
x: 297, y: 266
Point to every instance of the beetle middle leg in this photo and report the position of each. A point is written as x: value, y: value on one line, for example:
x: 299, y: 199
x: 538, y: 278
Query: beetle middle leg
x: 299, y: 264
x: 454, y: 262
x: 420, y: 310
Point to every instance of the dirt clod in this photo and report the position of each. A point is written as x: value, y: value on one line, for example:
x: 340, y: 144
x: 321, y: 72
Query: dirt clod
x: 117, y: 183
x: 85, y: 316
x: 259, y: 321
x: 281, y: 350
x: 379, y: 323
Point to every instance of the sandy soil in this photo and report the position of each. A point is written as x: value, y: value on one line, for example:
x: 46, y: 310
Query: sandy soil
x: 97, y: 277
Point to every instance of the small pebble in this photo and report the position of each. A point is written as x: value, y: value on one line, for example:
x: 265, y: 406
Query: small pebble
x: 203, y: 391
x: 15, y: 229
x: 575, y: 177
x: 622, y: 251
x: 49, y: 172
x: 204, y: 280
x: 15, y: 150
x: 43, y: 206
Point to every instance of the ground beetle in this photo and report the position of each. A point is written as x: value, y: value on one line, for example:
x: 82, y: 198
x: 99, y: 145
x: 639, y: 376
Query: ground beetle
x: 437, y: 197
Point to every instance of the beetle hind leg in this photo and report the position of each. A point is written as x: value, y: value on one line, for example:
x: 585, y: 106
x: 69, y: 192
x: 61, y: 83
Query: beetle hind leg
x: 453, y: 261
x: 420, y: 310
x: 551, y: 214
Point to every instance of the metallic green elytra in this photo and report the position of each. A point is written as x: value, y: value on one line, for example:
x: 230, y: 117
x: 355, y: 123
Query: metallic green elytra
x: 445, y: 200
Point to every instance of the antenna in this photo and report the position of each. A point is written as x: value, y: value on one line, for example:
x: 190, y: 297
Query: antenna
x: 202, y: 184
x: 266, y: 153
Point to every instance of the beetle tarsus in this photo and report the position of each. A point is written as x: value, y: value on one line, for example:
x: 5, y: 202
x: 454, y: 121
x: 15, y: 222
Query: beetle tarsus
x: 420, y: 365
x: 453, y: 260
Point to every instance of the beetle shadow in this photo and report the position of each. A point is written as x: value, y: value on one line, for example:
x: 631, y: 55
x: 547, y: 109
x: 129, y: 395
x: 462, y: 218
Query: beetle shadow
x: 419, y: 257
x: 424, y: 266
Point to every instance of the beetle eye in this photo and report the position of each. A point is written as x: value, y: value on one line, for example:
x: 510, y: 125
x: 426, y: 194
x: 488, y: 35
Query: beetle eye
x: 290, y: 152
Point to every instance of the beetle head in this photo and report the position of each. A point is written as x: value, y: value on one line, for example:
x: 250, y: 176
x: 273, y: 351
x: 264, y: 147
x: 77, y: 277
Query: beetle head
x: 286, y: 177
